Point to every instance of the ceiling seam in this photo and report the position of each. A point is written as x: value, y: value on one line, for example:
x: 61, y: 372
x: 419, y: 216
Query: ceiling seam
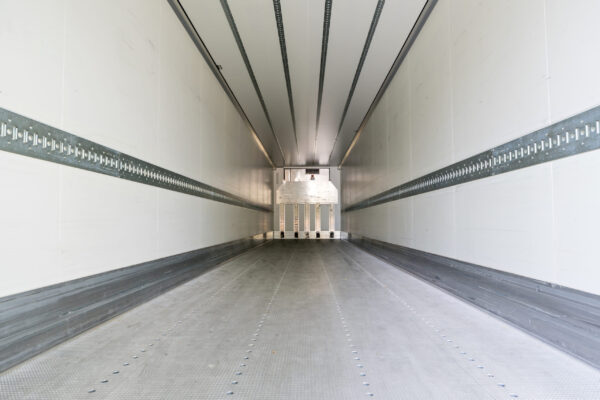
x: 195, y: 36
x: 411, y: 38
x: 324, y: 44
x: 363, y: 56
x: 240, y: 44
x: 286, y: 69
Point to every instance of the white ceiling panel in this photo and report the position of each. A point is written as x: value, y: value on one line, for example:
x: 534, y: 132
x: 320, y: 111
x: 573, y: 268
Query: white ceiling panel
x: 256, y: 23
x: 302, y: 22
x: 395, y: 23
x: 350, y: 21
x: 212, y: 26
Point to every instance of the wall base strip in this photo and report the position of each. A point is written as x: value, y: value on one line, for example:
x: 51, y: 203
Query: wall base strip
x: 565, y: 318
x: 33, y: 321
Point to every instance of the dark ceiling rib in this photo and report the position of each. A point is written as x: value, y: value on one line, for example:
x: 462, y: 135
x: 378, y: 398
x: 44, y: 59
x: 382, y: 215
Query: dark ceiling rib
x: 193, y: 33
x: 286, y: 69
x: 240, y: 44
x: 363, y: 57
x: 412, y: 36
x: 324, y: 43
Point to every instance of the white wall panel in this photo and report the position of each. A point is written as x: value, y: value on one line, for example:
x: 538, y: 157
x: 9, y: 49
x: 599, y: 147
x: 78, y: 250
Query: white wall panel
x: 434, y: 226
x: 573, y: 56
x: 505, y: 222
x: 480, y: 74
x: 103, y: 222
x: 33, y: 36
x: 397, y: 102
x: 400, y: 219
x: 29, y: 222
x: 110, y: 74
x: 124, y: 74
x: 431, y: 94
x: 577, y: 221
x: 499, y: 88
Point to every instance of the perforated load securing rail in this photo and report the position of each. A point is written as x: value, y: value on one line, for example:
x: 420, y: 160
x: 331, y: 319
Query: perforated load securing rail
x: 574, y: 135
x: 25, y: 136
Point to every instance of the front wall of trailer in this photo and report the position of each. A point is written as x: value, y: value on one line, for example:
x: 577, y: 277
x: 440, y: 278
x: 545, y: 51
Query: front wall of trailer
x: 300, y: 220
x: 125, y: 75
x: 479, y: 75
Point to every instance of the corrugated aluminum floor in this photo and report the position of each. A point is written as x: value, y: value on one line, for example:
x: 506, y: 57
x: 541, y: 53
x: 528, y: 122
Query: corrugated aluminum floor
x: 303, y: 320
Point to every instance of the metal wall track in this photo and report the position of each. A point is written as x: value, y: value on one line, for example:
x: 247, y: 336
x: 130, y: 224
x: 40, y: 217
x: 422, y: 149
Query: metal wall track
x: 33, y: 321
x: 25, y: 136
x: 563, y: 317
x: 574, y: 135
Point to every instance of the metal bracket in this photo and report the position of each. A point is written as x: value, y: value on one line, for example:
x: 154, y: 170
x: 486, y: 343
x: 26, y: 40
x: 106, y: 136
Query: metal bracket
x: 574, y: 135
x: 22, y: 135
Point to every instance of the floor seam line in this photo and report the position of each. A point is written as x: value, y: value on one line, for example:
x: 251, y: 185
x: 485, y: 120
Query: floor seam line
x: 246, y: 357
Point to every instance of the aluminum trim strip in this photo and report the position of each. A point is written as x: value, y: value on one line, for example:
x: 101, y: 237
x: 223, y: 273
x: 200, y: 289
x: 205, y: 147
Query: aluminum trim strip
x: 286, y: 69
x: 324, y: 44
x: 242, y: 49
x: 361, y: 62
x: 412, y: 37
x: 25, y: 136
x: 195, y: 36
x: 571, y: 136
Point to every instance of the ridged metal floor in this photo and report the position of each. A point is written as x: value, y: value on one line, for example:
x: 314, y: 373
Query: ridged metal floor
x: 303, y: 320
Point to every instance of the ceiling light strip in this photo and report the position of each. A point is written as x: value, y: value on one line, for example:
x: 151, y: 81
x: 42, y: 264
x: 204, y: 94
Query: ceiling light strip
x: 574, y: 135
x: 193, y: 33
x: 324, y: 44
x: 27, y: 137
x: 363, y: 57
x: 412, y: 36
x: 286, y: 69
x: 242, y: 49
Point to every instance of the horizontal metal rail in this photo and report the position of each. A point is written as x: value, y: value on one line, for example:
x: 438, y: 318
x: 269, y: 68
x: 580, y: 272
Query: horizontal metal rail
x: 574, y: 135
x: 25, y: 136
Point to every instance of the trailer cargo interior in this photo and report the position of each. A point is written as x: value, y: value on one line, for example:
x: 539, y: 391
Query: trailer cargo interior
x: 299, y: 199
